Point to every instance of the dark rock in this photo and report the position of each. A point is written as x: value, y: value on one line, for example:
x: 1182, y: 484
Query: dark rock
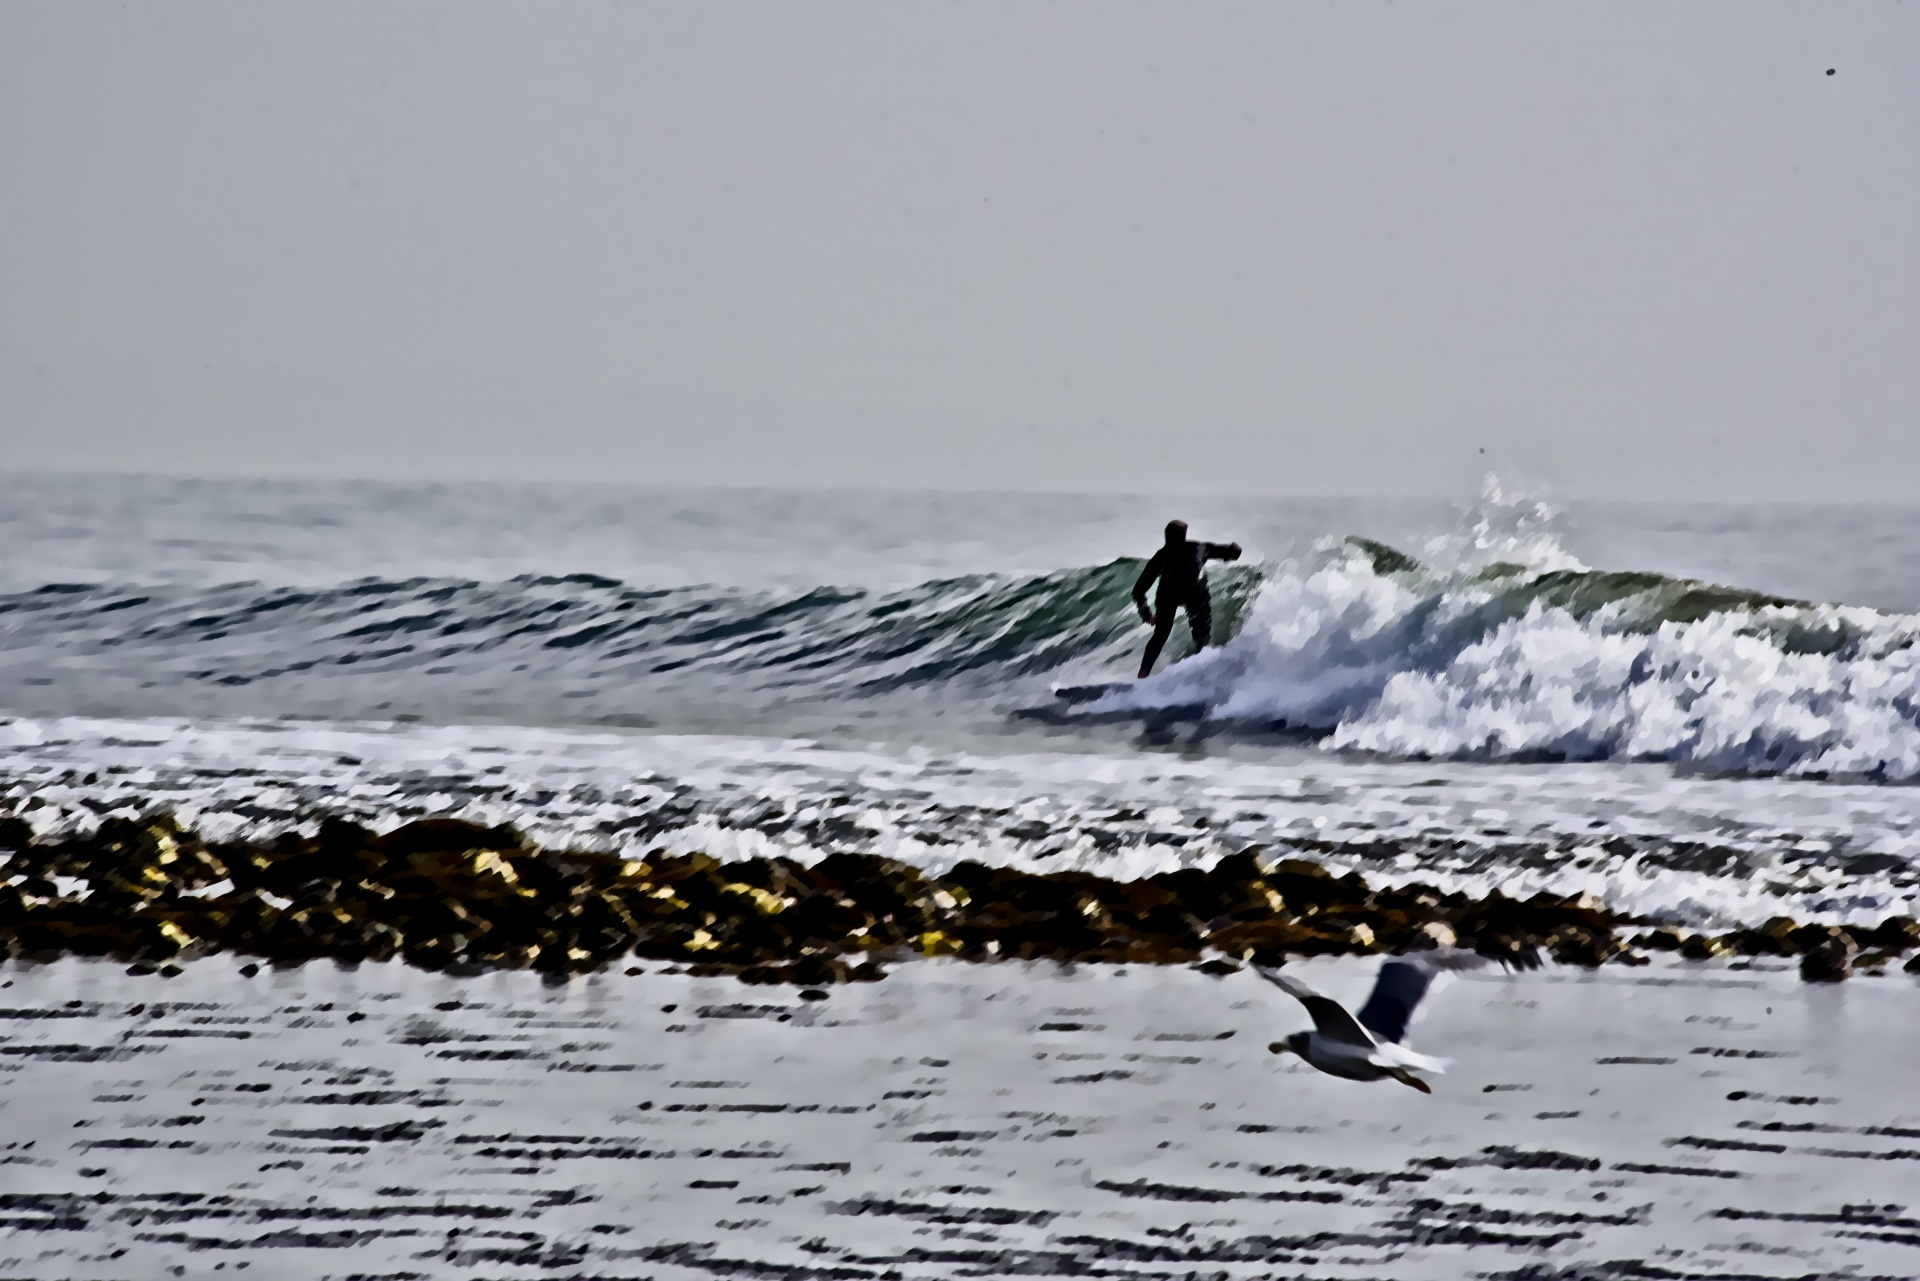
x: 461, y: 898
x: 1771, y: 939
x: 1580, y: 945
x: 1897, y: 934
x: 1703, y: 947
x: 444, y: 835
x: 1826, y: 953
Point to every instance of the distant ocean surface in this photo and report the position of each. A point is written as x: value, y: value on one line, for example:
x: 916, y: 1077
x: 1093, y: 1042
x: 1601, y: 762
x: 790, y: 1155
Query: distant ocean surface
x: 1710, y: 713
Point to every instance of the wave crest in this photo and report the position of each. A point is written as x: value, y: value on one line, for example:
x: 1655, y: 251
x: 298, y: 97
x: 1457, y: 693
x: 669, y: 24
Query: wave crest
x: 1386, y: 655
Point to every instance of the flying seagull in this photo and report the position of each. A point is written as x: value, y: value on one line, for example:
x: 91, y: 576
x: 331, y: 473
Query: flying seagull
x: 1372, y: 1045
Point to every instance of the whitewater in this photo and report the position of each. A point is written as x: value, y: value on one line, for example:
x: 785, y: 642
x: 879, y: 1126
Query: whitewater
x: 1514, y: 650
x: 1704, y: 715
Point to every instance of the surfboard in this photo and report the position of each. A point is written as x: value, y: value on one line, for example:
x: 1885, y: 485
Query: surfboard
x: 1089, y: 693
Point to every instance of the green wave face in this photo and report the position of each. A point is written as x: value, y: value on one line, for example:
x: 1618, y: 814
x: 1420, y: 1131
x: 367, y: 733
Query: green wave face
x: 998, y: 627
x: 383, y: 643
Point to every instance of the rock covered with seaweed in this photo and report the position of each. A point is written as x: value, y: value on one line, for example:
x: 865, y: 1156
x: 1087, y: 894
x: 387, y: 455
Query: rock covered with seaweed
x: 444, y: 894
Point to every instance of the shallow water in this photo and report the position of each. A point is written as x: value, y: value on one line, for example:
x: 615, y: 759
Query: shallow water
x: 954, y: 1120
x: 1701, y: 851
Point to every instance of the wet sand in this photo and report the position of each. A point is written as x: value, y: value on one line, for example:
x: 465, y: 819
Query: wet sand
x: 1677, y: 1120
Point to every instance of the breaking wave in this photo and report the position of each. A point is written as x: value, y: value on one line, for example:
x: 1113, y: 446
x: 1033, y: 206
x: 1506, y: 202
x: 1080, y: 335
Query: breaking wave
x: 1491, y: 644
x: 1517, y: 652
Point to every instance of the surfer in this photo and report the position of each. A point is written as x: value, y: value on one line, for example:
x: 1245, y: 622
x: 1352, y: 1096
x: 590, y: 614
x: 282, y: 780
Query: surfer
x: 1181, y: 567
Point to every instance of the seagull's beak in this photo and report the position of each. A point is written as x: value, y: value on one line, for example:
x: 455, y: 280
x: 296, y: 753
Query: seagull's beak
x: 1279, y: 1047
x: 1407, y: 1078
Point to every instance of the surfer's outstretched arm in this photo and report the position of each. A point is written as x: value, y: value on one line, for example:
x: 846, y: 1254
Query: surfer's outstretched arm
x: 1140, y: 585
x: 1223, y: 551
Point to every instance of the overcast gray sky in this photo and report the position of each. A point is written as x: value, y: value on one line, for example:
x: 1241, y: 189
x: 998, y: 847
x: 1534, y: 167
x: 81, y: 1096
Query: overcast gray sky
x: 1630, y: 250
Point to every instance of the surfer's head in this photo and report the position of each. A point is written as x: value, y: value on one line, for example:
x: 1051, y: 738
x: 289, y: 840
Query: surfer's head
x: 1176, y: 531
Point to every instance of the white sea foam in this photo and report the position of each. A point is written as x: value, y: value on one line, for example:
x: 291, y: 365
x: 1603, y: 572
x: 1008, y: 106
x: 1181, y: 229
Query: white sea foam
x: 1513, y: 650
x: 1705, y: 851
x: 1709, y: 693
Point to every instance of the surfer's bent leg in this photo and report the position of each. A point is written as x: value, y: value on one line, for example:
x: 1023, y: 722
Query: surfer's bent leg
x: 1200, y: 619
x: 1162, y: 628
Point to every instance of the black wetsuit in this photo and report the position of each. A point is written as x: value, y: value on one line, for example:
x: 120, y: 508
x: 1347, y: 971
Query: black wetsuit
x: 1182, y: 571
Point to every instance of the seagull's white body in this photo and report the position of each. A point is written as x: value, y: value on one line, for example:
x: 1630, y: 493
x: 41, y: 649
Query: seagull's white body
x: 1372, y: 1046
x: 1368, y: 1062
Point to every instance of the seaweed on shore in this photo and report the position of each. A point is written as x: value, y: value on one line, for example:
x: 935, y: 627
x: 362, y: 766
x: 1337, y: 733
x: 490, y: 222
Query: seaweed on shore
x: 448, y: 895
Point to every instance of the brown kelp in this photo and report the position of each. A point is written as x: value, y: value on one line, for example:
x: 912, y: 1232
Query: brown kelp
x: 445, y: 894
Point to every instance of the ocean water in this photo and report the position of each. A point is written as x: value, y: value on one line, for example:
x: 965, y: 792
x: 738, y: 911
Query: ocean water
x: 1703, y: 715
x: 1710, y: 714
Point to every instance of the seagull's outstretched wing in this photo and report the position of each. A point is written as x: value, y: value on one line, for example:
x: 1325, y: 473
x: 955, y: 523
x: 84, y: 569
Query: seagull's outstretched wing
x: 1402, y: 984
x: 1330, y: 1018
